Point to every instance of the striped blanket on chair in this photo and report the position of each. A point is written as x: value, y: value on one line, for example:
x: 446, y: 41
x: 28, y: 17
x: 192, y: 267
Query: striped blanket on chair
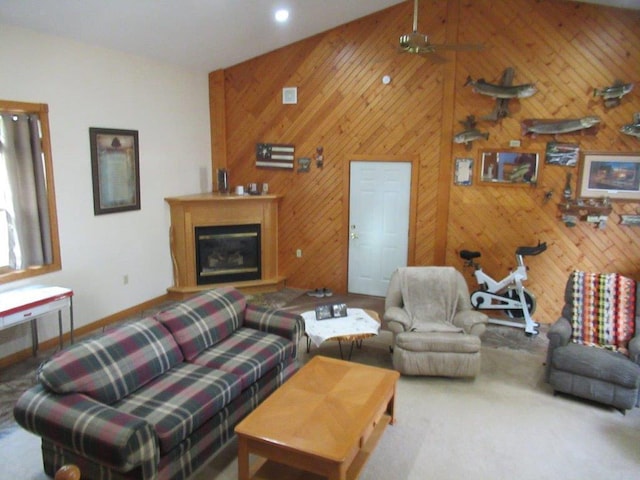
x: 603, y: 310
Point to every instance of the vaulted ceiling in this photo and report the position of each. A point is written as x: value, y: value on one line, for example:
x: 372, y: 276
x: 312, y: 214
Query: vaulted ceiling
x: 196, y: 34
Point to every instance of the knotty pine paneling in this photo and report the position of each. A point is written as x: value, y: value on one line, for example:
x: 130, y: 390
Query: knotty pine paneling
x: 566, y: 48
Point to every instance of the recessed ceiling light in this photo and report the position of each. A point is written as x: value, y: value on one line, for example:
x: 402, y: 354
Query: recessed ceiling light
x: 282, y: 15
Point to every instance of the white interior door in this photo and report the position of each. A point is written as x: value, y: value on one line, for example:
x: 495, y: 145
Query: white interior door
x: 379, y: 203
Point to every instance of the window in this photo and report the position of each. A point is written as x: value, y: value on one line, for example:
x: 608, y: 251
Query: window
x: 29, y: 243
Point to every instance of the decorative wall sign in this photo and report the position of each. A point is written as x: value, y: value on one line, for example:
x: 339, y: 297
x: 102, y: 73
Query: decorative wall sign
x: 565, y: 154
x: 630, y: 220
x: 613, y: 175
x: 115, y: 170
x: 275, y: 155
x: 464, y: 171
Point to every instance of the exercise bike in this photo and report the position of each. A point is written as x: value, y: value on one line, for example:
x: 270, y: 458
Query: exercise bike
x: 507, y: 294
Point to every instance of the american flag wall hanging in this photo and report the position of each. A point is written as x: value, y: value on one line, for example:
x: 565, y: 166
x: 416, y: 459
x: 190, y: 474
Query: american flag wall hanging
x: 272, y: 155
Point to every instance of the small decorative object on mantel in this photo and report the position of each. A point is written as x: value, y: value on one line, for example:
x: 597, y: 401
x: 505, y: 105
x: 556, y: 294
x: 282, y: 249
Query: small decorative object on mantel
x: 532, y: 126
x: 613, y: 94
x: 304, y: 164
x: 470, y: 133
x: 273, y: 155
x: 632, y: 128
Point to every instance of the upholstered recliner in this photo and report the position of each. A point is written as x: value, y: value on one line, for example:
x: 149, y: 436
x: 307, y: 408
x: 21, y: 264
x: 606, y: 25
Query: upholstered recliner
x: 594, y: 349
x: 435, y: 331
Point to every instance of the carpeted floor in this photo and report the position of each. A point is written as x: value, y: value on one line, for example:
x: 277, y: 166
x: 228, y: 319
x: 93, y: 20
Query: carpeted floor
x: 504, y: 424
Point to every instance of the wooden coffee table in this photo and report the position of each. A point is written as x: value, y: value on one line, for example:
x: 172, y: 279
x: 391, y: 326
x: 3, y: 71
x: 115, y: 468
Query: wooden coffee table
x: 324, y: 422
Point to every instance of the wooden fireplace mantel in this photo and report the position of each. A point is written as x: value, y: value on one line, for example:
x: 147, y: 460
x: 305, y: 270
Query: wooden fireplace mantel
x: 214, y: 209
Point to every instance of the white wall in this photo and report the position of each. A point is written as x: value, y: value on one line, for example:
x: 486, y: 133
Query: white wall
x: 84, y: 87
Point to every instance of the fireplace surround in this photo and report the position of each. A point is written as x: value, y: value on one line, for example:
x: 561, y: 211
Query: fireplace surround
x: 191, y: 213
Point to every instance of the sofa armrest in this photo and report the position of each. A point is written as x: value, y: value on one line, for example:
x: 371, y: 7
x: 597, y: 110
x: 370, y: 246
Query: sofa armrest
x: 396, y: 315
x: 559, y: 333
x: 471, y: 321
x: 634, y: 348
x: 90, y: 428
x: 279, y: 322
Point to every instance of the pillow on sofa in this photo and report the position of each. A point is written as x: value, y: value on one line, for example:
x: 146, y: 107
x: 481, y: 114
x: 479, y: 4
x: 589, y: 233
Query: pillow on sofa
x: 109, y: 367
x: 204, y: 320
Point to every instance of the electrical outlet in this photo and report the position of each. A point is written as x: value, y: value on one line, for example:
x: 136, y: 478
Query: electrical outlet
x: 299, y: 253
x: 125, y: 279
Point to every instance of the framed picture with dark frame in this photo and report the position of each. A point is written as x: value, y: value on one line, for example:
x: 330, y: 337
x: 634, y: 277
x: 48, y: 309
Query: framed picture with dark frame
x: 614, y: 175
x: 115, y: 169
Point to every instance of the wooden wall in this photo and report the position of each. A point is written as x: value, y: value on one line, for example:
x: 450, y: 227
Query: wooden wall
x: 566, y: 48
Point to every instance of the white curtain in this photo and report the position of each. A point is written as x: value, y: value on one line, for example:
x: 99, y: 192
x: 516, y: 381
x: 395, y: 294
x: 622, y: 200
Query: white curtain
x: 23, y: 191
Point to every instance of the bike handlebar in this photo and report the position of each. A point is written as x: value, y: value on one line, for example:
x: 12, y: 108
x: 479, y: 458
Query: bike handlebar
x: 524, y: 251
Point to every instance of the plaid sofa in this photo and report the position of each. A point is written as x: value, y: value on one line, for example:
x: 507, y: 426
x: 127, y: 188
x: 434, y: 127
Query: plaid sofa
x: 156, y: 398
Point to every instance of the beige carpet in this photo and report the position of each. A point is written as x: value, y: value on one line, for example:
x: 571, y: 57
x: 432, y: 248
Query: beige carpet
x: 505, y: 424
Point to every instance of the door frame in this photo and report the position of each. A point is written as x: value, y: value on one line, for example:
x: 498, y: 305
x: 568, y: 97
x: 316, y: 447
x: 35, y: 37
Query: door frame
x: 413, y: 201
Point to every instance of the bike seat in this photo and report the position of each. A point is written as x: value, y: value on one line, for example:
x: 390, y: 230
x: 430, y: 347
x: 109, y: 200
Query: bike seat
x: 469, y: 255
x: 535, y: 250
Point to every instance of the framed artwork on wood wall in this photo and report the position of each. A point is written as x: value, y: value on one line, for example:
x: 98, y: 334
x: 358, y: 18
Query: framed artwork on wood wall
x: 509, y: 167
x: 614, y: 175
x: 115, y: 169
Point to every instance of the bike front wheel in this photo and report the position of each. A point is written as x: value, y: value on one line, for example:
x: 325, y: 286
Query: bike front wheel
x: 529, y: 298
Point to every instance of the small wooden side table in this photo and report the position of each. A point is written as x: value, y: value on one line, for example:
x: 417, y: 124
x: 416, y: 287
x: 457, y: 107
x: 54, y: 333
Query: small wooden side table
x: 30, y: 303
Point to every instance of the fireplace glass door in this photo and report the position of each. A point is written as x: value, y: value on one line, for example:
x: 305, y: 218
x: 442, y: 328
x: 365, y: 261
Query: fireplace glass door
x: 228, y: 253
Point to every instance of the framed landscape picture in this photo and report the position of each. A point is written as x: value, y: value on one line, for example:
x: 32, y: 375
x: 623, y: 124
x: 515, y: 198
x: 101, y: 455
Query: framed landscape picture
x: 610, y: 174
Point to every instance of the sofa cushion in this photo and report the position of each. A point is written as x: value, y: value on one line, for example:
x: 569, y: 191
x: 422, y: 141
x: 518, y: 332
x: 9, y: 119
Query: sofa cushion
x: 605, y: 365
x: 247, y: 353
x: 451, y: 342
x: 205, y: 319
x: 179, y: 402
x: 111, y: 366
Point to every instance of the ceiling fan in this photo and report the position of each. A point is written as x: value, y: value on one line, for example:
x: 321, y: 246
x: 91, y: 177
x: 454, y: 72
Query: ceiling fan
x: 416, y: 42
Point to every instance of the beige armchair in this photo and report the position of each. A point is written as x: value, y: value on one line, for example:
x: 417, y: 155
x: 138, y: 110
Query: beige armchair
x: 435, y: 331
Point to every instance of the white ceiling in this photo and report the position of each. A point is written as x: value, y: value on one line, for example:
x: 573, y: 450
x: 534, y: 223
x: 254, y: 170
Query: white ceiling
x: 201, y: 35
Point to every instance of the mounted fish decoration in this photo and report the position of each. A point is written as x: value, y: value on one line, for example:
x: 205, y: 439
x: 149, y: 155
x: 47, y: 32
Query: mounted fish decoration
x: 554, y: 127
x: 470, y: 133
x: 633, y: 128
x: 501, y: 91
x: 501, y: 109
x: 613, y: 94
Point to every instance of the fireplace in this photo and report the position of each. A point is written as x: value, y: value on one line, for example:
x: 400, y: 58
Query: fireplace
x: 227, y: 253
x: 191, y: 212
